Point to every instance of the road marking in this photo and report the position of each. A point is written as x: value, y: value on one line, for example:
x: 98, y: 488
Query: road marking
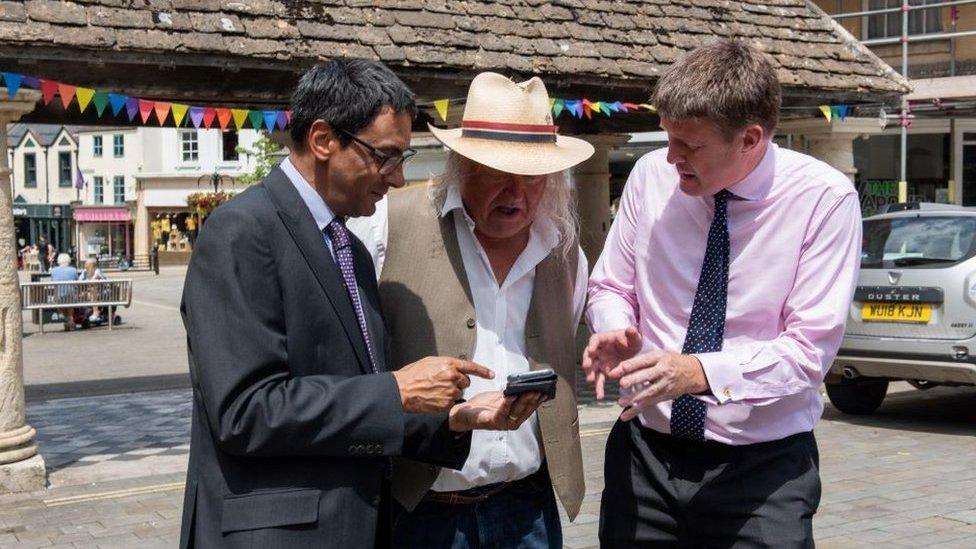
x: 155, y: 488
x: 156, y: 305
x: 594, y: 432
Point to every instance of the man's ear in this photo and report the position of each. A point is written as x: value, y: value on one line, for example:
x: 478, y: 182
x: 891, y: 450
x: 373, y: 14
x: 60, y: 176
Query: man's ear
x: 321, y: 140
x: 753, y: 136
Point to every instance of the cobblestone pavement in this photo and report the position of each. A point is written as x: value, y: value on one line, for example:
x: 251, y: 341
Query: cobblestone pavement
x: 905, y: 477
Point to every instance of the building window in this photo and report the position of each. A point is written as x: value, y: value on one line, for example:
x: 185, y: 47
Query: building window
x: 886, y: 25
x: 189, y: 146
x: 98, y: 184
x: 229, y: 140
x: 118, y: 145
x: 30, y: 170
x: 118, y: 189
x: 97, y: 146
x: 64, y: 169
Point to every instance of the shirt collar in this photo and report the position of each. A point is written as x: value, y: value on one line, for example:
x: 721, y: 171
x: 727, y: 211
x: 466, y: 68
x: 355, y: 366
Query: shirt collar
x: 543, y: 231
x: 320, y: 211
x: 757, y: 184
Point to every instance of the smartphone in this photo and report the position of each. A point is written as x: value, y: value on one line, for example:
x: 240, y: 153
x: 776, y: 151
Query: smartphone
x: 540, y: 381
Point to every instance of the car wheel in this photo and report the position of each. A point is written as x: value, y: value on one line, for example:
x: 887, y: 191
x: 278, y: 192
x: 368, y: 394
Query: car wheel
x: 857, y: 397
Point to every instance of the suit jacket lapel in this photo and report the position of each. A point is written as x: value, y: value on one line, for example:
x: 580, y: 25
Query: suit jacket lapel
x: 303, y: 230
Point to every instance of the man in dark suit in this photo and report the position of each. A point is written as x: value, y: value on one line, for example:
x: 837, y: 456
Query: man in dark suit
x: 295, y: 411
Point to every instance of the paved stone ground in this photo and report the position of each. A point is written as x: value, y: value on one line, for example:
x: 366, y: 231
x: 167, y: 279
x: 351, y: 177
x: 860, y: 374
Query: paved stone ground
x: 905, y: 477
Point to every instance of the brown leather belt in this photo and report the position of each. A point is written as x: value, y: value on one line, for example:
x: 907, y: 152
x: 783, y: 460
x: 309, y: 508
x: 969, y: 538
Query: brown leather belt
x: 465, y: 497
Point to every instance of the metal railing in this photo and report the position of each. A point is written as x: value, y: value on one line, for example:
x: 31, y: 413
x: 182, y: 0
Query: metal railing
x: 75, y: 294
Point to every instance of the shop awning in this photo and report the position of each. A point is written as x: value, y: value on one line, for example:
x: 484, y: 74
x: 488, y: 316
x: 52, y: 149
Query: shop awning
x: 101, y: 214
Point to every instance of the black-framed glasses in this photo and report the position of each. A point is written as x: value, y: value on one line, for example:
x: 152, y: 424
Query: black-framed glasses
x: 386, y: 161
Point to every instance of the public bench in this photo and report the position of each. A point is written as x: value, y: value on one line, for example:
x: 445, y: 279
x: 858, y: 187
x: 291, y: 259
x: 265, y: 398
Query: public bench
x: 110, y: 294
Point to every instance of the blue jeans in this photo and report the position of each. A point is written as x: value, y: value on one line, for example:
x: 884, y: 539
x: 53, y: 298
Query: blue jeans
x: 524, y: 515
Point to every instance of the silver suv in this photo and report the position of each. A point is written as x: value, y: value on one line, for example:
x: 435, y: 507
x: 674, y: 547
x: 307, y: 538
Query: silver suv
x: 914, y: 312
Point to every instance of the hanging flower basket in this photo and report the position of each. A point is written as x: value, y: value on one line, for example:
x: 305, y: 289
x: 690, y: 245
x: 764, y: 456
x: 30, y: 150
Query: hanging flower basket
x: 205, y: 203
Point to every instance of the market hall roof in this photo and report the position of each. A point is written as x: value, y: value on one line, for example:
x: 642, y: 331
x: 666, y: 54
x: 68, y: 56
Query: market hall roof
x: 251, y: 51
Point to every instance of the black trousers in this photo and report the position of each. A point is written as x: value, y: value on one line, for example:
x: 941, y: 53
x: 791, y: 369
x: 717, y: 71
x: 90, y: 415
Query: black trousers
x: 661, y: 491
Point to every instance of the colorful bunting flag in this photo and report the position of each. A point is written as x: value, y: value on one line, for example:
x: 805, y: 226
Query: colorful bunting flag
x: 100, y: 101
x: 12, y: 81
x: 79, y: 179
x: 162, y: 111
x: 256, y: 119
x: 179, y: 112
x: 84, y: 96
x: 441, y: 107
x: 239, y: 116
x: 145, y: 109
x: 282, y: 120
x: 196, y: 116
x: 67, y: 93
x: 48, y: 89
x: 117, y: 101
x: 825, y: 109
x: 131, y: 107
x: 209, y: 114
x: 557, y: 107
x: 223, y: 118
x: 270, y: 117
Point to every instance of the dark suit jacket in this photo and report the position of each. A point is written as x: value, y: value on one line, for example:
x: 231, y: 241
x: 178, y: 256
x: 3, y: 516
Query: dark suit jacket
x: 290, y: 429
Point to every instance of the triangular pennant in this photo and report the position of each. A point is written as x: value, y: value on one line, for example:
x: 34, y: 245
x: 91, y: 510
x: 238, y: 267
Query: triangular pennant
x: 131, y: 107
x: 440, y: 106
x: 223, y: 118
x: 101, y: 101
x: 12, y: 81
x: 196, y: 116
x: 835, y: 112
x: 647, y: 107
x: 179, y: 111
x: 282, y: 120
x: 825, y: 109
x: 842, y: 111
x: 575, y: 107
x: 32, y: 83
x: 288, y: 116
x: 270, y: 117
x: 587, y: 108
x: 240, y: 115
x: 209, y: 114
x: 630, y: 106
x: 67, y: 93
x: 117, y: 101
x: 162, y: 111
x: 256, y: 118
x: 48, y: 89
x: 557, y: 107
x: 616, y: 107
x: 145, y: 109
x: 552, y: 102
x: 84, y: 96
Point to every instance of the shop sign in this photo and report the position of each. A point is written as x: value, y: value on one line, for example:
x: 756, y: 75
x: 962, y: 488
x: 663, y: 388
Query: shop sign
x: 20, y: 212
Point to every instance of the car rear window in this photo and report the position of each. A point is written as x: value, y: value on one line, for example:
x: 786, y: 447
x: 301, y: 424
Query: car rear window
x: 918, y: 242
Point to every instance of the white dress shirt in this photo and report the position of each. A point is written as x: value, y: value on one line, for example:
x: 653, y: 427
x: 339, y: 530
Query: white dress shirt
x: 500, y: 312
x: 321, y: 211
x: 373, y: 231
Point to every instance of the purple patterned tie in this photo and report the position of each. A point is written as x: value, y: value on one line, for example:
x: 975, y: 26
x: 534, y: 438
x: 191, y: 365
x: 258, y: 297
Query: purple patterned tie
x: 342, y: 247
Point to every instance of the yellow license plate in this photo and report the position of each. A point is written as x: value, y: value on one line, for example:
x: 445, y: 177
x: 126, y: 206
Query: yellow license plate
x: 896, y: 312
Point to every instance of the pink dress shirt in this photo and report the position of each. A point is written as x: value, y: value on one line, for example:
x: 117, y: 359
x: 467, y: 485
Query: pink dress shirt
x: 795, y: 234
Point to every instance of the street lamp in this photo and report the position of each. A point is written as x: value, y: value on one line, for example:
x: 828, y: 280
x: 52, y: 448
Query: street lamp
x: 215, y: 179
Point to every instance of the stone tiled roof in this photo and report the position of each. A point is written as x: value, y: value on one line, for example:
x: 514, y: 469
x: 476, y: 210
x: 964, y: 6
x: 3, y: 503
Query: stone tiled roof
x: 614, y: 41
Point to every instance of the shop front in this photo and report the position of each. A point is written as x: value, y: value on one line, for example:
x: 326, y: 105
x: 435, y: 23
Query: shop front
x: 104, y: 232
x: 173, y: 232
x: 52, y: 222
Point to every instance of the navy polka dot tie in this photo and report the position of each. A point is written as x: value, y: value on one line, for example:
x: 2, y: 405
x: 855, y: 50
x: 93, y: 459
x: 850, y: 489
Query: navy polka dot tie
x: 707, y: 323
x: 342, y: 247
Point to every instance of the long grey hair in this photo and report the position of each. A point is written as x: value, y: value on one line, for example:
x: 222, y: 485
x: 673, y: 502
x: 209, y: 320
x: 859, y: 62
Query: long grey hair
x: 557, y: 200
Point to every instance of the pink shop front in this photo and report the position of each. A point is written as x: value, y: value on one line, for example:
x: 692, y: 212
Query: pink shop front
x: 103, y: 232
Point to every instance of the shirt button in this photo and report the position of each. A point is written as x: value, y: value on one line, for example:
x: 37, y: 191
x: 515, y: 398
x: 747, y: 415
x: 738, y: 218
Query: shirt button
x: 470, y: 323
x: 727, y: 392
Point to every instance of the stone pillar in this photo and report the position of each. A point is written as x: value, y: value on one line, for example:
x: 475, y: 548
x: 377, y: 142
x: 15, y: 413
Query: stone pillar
x: 835, y: 149
x: 592, y: 182
x: 832, y: 142
x: 21, y: 467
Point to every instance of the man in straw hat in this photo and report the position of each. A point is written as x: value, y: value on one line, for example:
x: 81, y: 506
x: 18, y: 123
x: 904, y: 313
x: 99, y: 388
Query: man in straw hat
x: 719, y: 302
x: 485, y: 265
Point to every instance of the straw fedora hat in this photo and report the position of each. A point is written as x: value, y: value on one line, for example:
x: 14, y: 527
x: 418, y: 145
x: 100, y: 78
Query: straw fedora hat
x: 509, y: 127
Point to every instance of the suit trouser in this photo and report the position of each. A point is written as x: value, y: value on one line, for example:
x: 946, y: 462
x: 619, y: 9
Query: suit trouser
x: 661, y: 491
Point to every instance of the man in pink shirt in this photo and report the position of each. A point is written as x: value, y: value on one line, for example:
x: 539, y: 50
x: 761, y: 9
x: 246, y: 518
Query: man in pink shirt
x: 719, y: 303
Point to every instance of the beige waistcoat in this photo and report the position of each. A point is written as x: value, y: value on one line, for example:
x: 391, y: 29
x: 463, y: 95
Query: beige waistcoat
x: 428, y: 311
